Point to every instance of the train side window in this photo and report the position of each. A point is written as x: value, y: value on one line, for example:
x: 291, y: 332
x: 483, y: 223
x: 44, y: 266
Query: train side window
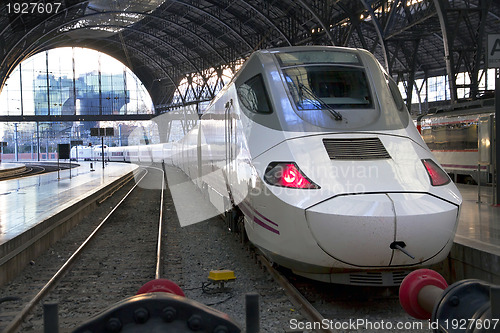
x: 396, y: 95
x: 253, y: 95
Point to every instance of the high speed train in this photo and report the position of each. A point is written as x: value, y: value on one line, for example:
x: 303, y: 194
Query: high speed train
x: 88, y: 153
x: 311, y: 153
x: 137, y: 154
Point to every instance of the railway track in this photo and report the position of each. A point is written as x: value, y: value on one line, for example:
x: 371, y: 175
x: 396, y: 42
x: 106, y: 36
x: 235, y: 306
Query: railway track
x: 329, y: 308
x: 296, y: 297
x: 32, y: 169
x: 121, y: 253
x: 27, y: 171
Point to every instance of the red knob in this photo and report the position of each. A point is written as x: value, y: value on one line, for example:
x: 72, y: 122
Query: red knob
x: 411, y: 287
x: 161, y: 285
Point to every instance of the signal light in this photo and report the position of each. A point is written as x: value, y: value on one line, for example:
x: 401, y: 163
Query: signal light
x: 287, y: 174
x: 436, y: 175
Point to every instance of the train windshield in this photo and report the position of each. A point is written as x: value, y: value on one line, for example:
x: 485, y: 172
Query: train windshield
x: 328, y: 87
x: 332, y: 89
x: 325, y: 80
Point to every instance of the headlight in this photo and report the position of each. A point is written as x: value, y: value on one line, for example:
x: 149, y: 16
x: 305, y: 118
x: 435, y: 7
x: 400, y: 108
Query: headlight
x: 287, y: 174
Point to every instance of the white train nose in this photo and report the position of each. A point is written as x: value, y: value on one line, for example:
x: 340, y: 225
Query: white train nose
x: 426, y: 224
x: 380, y: 220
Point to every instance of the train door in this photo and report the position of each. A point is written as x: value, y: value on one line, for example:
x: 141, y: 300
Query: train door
x: 199, y: 157
x: 484, y: 139
x: 485, y: 148
x: 230, y: 140
x: 229, y: 171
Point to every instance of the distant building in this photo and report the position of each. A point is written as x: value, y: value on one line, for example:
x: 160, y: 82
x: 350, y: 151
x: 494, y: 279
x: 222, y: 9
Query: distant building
x: 95, y: 94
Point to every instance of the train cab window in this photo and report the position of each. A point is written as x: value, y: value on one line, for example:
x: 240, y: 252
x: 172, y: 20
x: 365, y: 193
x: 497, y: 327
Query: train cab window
x: 342, y: 87
x: 253, y: 95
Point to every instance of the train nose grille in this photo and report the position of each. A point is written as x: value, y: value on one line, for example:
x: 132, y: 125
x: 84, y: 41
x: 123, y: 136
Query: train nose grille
x: 355, y: 149
x: 377, y: 278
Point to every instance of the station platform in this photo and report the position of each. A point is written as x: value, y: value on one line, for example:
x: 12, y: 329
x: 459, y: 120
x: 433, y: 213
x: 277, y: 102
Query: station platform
x: 476, y: 249
x: 36, y: 210
x: 479, y: 221
x: 9, y: 166
x: 7, y: 169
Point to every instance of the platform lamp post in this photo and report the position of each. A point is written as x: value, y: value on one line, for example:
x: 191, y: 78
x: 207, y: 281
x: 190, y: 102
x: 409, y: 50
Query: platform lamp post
x: 493, y: 56
x: 496, y: 195
x: 16, y: 151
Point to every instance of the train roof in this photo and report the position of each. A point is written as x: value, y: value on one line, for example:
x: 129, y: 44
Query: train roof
x: 463, y: 109
x: 309, y: 48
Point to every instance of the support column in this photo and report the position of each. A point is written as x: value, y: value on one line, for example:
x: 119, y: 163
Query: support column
x: 48, y: 81
x: 21, y: 88
x: 74, y: 81
x: 100, y: 85
x: 450, y: 66
x: 125, y: 90
x: 16, y: 152
x: 38, y: 141
x: 497, y: 136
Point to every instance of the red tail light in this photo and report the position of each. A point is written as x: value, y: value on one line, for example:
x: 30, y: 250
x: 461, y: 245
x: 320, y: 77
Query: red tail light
x: 437, y: 176
x: 287, y: 174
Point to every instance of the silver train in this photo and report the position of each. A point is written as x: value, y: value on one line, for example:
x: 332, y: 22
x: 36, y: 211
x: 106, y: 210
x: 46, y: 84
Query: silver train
x: 88, y: 153
x: 462, y: 139
x: 311, y: 153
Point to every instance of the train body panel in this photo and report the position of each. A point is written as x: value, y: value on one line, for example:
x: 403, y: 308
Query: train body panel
x: 132, y: 154
x: 403, y: 171
x: 81, y: 153
x: 458, y: 160
x: 116, y: 155
x: 86, y: 153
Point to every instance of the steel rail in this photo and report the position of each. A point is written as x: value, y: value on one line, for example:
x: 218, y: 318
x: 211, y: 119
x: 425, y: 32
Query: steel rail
x: 158, y: 270
x: 17, y: 321
x: 295, y: 296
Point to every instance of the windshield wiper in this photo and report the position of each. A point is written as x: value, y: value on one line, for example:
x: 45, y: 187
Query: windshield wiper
x: 317, y: 99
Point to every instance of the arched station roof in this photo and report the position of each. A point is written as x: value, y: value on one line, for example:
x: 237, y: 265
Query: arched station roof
x: 164, y: 41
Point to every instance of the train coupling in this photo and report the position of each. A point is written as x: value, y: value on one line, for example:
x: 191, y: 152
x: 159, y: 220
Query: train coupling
x: 470, y: 306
